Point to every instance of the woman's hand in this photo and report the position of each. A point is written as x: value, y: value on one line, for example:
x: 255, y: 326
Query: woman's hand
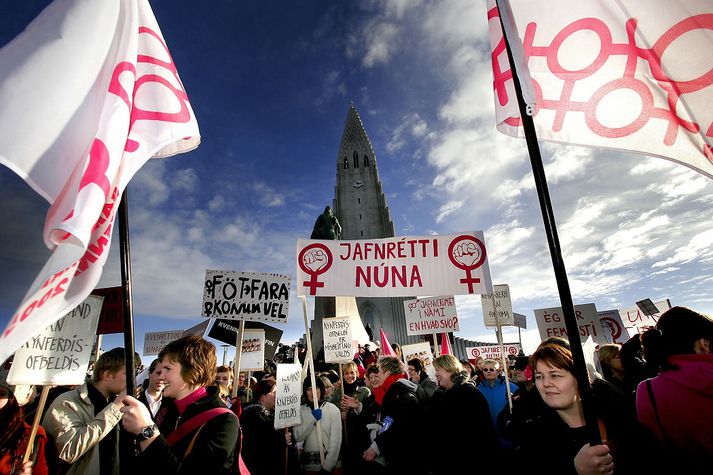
x: 349, y: 402
x: 136, y: 415
x: 594, y: 460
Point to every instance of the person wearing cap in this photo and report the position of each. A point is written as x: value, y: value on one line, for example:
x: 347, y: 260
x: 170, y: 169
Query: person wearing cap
x: 15, y: 437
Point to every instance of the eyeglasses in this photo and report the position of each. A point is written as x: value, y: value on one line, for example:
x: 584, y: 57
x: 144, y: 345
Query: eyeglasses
x: 489, y: 370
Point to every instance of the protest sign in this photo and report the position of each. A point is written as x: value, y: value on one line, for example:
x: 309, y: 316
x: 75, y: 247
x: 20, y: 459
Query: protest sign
x: 452, y: 264
x: 154, y: 342
x: 253, y: 355
x: 111, y: 319
x: 227, y: 332
x: 60, y: 353
x: 505, y: 317
x: 288, y: 395
x: 635, y: 320
x: 423, y: 351
x: 491, y: 352
x: 519, y: 320
x: 431, y: 315
x: 338, y: 345
x: 246, y: 296
x: 550, y: 323
x: 613, y: 327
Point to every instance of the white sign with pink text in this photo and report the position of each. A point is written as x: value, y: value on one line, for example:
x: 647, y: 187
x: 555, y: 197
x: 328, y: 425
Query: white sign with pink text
x: 453, y: 264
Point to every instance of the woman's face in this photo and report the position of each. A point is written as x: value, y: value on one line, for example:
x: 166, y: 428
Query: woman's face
x: 444, y: 378
x: 557, y: 386
x: 174, y: 385
x: 615, y: 363
x: 480, y: 363
x: 413, y: 374
x: 268, y: 400
x: 310, y: 395
x: 350, y: 375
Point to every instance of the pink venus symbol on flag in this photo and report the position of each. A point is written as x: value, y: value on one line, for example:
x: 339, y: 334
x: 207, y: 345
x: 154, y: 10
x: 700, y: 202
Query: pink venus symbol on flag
x: 315, y: 259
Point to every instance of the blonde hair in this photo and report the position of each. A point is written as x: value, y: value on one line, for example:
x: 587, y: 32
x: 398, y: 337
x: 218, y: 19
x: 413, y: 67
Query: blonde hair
x: 448, y: 363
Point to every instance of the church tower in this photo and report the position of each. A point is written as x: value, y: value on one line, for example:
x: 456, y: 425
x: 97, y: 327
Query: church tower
x: 360, y: 206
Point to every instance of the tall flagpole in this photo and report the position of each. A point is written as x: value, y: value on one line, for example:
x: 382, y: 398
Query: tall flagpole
x: 538, y: 171
x: 127, y: 302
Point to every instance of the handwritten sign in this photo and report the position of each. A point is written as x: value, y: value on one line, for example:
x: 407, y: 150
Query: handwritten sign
x: 503, y: 304
x: 338, y: 346
x: 635, y: 320
x: 288, y: 395
x: 154, y: 342
x: 452, y: 264
x: 491, y: 352
x: 550, y: 323
x: 253, y: 355
x: 246, y: 296
x: 60, y: 353
x: 423, y: 351
x: 431, y: 315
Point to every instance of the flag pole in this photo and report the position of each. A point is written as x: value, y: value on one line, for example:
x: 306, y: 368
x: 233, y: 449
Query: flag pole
x: 127, y: 302
x: 565, y: 294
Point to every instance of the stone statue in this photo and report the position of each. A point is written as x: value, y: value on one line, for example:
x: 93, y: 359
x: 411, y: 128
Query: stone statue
x: 327, y: 226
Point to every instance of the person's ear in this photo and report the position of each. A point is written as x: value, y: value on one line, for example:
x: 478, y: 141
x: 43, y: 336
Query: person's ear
x: 702, y: 346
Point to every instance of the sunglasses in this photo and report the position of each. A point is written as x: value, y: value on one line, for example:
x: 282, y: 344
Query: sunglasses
x: 489, y: 370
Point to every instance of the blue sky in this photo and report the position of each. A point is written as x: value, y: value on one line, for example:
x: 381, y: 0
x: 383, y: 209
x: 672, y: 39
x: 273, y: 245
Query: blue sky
x: 271, y: 82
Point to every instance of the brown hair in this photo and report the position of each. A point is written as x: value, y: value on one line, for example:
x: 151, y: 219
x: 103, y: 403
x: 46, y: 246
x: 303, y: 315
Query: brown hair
x: 196, y: 357
x: 373, y: 368
x: 391, y: 365
x: 556, y: 356
x: 225, y: 369
x: 449, y: 363
x: 110, y: 361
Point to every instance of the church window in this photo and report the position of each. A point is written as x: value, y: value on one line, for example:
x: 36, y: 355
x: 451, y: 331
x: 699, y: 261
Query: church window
x: 356, y: 160
x: 362, y: 233
x: 366, y: 160
x: 346, y: 163
x: 358, y: 200
x: 359, y: 215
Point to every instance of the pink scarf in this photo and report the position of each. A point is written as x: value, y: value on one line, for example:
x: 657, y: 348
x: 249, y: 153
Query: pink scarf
x: 182, y: 404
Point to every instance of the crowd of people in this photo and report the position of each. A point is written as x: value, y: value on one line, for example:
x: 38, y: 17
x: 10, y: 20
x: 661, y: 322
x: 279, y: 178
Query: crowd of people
x: 652, y: 398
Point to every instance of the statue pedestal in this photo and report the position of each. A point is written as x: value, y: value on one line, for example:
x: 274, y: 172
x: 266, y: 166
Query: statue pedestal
x: 324, y: 307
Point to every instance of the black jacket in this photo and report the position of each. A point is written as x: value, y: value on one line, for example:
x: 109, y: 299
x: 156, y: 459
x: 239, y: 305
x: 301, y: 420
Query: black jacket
x: 263, y: 446
x: 403, y: 416
x: 214, y: 452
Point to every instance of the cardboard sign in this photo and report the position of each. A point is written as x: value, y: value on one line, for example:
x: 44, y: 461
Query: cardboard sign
x: 60, y: 353
x: 288, y: 395
x: 491, y: 352
x: 338, y: 345
x: 431, y: 315
x: 423, y: 351
x: 550, y: 323
x: 111, y: 319
x: 634, y: 319
x: 253, y: 356
x: 613, y: 327
x: 227, y: 332
x: 154, y: 342
x: 246, y: 296
x: 519, y: 320
x: 452, y: 264
x: 503, y: 304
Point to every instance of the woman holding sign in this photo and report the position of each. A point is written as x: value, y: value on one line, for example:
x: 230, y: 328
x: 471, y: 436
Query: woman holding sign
x: 15, y: 436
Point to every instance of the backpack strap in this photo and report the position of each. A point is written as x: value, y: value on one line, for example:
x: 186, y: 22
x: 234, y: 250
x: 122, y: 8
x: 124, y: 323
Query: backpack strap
x: 194, y: 422
x: 656, y: 410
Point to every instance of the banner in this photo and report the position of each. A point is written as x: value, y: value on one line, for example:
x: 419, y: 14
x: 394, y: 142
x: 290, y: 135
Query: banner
x: 227, y: 332
x: 59, y: 354
x: 246, y: 296
x: 423, y: 351
x: 154, y: 342
x: 288, y: 395
x: 253, y: 356
x: 503, y: 304
x: 431, y: 315
x: 89, y: 93
x: 629, y: 75
x: 614, y: 330
x: 491, y: 352
x: 634, y: 319
x: 338, y: 344
x: 405, y: 266
x: 550, y: 323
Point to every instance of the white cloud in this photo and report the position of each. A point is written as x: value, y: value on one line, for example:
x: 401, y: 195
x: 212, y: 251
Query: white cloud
x: 380, y: 43
x: 267, y: 196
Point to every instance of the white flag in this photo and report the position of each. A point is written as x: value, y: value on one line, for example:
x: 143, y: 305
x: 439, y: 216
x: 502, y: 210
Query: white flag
x: 631, y: 75
x: 89, y: 93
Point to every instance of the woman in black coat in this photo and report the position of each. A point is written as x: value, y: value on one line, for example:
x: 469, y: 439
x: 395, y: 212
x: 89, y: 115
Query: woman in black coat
x: 459, y: 416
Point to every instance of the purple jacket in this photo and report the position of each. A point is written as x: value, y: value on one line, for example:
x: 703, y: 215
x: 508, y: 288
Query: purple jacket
x: 684, y: 399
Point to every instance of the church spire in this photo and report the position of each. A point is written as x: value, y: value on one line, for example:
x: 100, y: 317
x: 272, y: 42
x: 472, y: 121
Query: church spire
x: 354, y: 138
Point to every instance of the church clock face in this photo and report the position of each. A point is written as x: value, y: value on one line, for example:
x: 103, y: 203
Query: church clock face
x: 357, y: 184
